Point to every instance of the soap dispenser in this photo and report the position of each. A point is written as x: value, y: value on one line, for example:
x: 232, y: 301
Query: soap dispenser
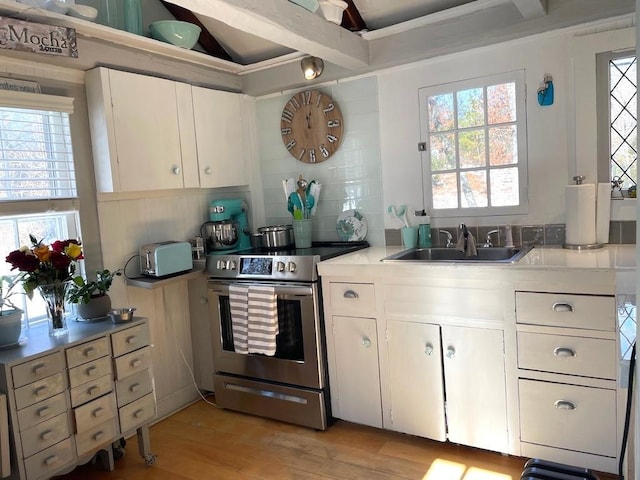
x: 424, y: 228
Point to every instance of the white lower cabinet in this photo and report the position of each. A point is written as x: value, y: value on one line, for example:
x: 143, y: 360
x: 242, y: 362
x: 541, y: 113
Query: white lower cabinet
x: 357, y: 378
x: 416, y: 384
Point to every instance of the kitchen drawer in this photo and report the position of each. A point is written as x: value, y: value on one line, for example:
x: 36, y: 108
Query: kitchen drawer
x: 590, y: 312
x: 40, y: 390
x: 96, y: 437
x: 89, y: 371
x: 95, y: 412
x: 130, y: 339
x: 87, y: 351
x: 45, y: 434
x: 47, y: 462
x: 133, y: 362
x: 29, y: 372
x: 568, y: 416
x: 90, y: 390
x: 41, y: 411
x: 137, y: 413
x: 353, y: 299
x: 587, y: 357
x: 133, y: 387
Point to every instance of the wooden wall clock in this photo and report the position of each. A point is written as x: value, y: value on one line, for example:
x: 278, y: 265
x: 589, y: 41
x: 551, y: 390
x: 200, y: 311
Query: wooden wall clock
x: 311, y: 126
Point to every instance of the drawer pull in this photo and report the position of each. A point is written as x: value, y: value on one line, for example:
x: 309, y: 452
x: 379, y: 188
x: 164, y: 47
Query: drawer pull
x: 564, y: 352
x: 350, y: 294
x: 46, y: 435
x: 562, y: 307
x: 41, y: 390
x: 43, y: 412
x: 39, y: 369
x: 98, y: 436
x: 428, y: 349
x: 138, y: 413
x: 98, y: 412
x: 92, y: 370
x: 92, y: 390
x: 366, y: 343
x: 451, y: 352
x: 49, y: 461
x: 132, y: 340
x: 565, y: 405
x: 134, y: 388
x: 136, y: 362
x: 89, y: 352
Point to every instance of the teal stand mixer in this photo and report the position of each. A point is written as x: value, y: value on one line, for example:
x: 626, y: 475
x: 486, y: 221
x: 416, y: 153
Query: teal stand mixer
x: 227, y: 229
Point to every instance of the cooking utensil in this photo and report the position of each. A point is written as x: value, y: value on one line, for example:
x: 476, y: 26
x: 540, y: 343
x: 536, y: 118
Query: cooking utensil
x: 277, y: 236
x: 394, y: 213
x: 402, y: 215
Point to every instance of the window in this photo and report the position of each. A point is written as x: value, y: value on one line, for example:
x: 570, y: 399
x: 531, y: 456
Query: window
x: 37, y: 180
x: 474, y: 134
x: 617, y: 117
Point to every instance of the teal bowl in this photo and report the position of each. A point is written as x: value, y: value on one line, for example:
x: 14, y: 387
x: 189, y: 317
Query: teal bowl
x: 175, y: 32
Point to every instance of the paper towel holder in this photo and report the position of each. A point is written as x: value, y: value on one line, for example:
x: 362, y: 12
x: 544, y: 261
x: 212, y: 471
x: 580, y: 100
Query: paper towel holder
x: 591, y: 246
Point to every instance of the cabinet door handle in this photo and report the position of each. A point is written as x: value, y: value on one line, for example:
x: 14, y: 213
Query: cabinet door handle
x: 138, y: 413
x: 49, y: 461
x: 564, y: 352
x: 41, y: 390
x: 93, y: 390
x: 98, y: 436
x: 350, y: 294
x: 451, y: 352
x: 132, y: 340
x: 98, y: 412
x: 562, y: 307
x: 89, y: 351
x: 136, y: 362
x: 92, y: 370
x: 176, y: 170
x: 565, y: 405
x: 39, y: 369
x: 46, y: 435
x: 134, y: 387
x: 428, y: 349
x: 208, y: 171
x: 366, y: 343
x: 43, y: 412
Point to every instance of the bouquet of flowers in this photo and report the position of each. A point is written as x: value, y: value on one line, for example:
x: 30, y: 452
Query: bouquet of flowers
x: 43, y: 264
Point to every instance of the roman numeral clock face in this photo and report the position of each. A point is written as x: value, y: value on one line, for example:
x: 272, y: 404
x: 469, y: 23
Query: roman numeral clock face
x: 311, y: 126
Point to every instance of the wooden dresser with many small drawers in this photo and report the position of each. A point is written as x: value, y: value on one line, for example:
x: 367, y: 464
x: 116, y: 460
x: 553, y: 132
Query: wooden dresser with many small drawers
x: 66, y: 399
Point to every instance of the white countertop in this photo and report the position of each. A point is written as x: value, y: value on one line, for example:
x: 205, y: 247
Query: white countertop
x: 614, y: 257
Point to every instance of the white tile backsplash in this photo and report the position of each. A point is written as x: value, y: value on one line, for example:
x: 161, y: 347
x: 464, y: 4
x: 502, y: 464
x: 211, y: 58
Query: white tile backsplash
x: 350, y: 178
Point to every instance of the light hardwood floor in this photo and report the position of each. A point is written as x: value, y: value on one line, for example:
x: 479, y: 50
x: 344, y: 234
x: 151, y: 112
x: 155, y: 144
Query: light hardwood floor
x: 203, y: 442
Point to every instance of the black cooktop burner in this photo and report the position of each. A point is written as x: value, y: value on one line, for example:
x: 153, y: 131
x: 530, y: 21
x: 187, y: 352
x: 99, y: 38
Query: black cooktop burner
x: 325, y: 250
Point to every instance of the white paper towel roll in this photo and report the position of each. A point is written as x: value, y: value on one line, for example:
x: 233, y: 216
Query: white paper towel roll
x: 581, y: 214
x: 603, y: 212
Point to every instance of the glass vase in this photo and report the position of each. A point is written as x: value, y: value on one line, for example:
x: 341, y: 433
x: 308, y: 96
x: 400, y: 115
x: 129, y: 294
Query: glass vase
x: 54, y: 297
x: 133, y: 16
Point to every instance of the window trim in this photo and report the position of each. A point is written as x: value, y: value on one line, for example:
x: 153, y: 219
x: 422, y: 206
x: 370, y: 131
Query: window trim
x: 519, y: 78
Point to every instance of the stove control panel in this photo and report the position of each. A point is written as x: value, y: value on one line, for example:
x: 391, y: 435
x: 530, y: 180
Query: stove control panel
x: 263, y: 267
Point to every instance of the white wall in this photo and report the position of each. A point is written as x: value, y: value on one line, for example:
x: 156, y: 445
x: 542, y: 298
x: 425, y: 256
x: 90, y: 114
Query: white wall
x: 551, y: 149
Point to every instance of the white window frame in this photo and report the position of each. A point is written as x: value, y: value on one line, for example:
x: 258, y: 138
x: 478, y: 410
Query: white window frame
x: 517, y: 77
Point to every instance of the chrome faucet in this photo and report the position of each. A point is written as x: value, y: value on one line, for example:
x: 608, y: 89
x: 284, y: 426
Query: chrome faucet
x: 488, y: 242
x: 449, y: 237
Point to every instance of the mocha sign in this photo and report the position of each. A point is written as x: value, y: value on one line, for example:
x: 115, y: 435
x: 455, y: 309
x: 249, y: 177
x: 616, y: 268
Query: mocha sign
x: 37, y: 38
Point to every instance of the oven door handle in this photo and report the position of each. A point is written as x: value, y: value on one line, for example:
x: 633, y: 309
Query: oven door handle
x: 279, y: 289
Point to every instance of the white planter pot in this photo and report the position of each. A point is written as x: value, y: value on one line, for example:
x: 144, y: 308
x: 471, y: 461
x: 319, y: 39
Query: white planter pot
x: 97, y: 308
x: 332, y: 10
x: 10, y: 326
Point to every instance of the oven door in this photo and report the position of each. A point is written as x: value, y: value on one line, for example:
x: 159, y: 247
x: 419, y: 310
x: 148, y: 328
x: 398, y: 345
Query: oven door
x: 297, y: 360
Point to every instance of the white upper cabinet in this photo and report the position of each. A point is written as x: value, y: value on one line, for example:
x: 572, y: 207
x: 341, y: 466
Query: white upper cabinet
x: 220, y: 138
x: 137, y: 135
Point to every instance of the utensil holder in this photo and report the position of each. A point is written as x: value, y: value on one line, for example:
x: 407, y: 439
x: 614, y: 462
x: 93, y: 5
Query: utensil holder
x: 409, y: 236
x: 302, y: 233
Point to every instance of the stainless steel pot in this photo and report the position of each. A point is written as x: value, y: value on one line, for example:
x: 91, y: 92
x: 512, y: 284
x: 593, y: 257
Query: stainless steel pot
x: 219, y: 235
x: 276, y: 236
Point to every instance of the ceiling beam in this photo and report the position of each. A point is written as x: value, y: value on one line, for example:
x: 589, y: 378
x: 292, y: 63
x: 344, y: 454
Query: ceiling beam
x: 206, y: 40
x: 287, y: 24
x: 532, y: 8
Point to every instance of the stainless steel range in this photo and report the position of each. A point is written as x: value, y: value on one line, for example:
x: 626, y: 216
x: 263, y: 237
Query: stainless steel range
x: 291, y: 383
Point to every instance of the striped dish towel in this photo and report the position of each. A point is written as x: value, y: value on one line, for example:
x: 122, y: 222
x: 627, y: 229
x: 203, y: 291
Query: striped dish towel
x: 263, y: 320
x: 239, y: 303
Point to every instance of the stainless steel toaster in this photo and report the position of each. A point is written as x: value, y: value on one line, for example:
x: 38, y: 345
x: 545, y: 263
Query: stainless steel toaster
x: 165, y: 258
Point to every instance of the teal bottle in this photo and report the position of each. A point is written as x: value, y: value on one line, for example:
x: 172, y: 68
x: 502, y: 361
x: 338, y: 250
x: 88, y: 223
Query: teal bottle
x: 133, y: 16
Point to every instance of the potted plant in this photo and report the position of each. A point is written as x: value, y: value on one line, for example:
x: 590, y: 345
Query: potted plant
x: 10, y: 315
x: 91, y: 296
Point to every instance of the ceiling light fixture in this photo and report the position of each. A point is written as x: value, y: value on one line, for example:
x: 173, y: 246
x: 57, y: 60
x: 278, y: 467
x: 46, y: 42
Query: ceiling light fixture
x: 311, y: 67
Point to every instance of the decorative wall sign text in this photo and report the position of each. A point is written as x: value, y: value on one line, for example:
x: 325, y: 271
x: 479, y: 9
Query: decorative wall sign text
x: 37, y: 38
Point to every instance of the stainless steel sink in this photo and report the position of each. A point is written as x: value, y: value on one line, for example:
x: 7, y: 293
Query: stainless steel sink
x: 442, y: 254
